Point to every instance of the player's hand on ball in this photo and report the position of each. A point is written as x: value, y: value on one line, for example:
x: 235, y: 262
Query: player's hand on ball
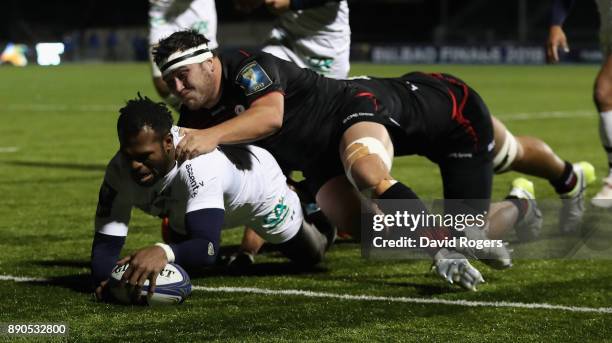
x: 454, y: 267
x: 195, y: 143
x: 145, y: 264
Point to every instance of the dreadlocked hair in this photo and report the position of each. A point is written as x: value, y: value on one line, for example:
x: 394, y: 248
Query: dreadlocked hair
x: 139, y: 113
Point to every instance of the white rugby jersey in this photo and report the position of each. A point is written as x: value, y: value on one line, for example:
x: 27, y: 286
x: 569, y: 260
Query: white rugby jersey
x: 320, y: 37
x: 168, y: 16
x: 245, y: 181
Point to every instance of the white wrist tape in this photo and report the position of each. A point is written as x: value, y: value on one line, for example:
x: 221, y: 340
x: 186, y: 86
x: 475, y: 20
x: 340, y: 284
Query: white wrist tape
x: 168, y: 250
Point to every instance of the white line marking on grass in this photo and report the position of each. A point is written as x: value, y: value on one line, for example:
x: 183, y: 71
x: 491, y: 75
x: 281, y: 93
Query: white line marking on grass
x: 21, y: 278
x: 364, y: 297
x: 546, y: 115
x: 8, y: 149
x: 469, y: 303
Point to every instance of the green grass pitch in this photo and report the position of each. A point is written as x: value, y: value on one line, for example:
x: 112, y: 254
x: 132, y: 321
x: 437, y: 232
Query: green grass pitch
x: 58, y: 132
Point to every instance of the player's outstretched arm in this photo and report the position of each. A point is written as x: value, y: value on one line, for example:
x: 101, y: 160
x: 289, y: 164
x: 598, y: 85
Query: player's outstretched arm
x: 263, y: 118
x: 111, y: 226
x: 204, y: 228
x: 105, y: 252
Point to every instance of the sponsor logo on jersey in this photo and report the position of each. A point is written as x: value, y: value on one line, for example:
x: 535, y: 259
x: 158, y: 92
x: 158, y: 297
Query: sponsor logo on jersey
x: 356, y: 115
x: 460, y: 155
x: 277, y: 216
x: 321, y: 64
x: 252, y: 78
x: 105, y: 200
x: 194, y: 185
x: 201, y: 27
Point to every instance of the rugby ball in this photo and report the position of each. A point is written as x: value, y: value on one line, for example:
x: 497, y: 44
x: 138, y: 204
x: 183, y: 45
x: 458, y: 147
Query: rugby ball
x: 173, y: 286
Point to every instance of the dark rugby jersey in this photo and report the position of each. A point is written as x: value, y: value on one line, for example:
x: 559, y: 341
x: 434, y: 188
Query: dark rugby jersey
x: 422, y: 106
x: 311, y: 102
x: 421, y: 111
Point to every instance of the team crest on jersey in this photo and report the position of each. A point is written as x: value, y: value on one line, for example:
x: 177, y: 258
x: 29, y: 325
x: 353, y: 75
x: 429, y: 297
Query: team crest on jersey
x: 105, y: 200
x: 252, y: 78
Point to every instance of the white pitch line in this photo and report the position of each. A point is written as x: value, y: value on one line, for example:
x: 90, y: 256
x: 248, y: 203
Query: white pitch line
x: 468, y: 303
x: 9, y: 149
x: 21, y: 278
x: 364, y: 297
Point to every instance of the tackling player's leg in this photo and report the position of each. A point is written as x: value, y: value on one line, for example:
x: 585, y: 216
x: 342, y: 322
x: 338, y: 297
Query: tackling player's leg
x: 367, y: 153
x: 532, y: 156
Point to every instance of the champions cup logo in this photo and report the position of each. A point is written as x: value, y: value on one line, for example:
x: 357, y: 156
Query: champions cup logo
x: 252, y: 78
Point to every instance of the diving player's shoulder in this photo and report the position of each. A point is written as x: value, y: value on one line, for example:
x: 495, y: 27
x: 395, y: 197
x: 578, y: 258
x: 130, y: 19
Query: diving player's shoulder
x: 213, y: 162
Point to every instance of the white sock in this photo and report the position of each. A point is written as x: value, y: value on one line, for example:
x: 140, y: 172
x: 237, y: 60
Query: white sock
x: 605, y: 132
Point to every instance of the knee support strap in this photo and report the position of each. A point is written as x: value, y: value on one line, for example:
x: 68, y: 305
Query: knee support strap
x: 506, y: 155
